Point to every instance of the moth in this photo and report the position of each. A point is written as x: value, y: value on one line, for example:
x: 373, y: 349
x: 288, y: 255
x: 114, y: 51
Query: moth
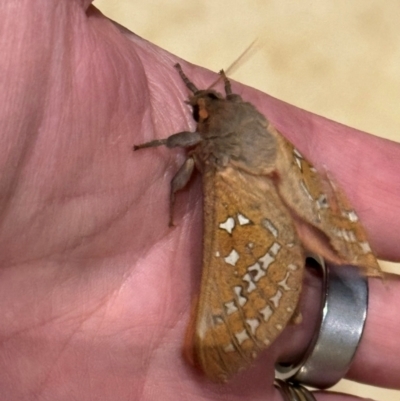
x: 264, y: 206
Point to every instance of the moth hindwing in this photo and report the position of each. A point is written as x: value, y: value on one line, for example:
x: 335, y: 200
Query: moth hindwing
x: 264, y: 205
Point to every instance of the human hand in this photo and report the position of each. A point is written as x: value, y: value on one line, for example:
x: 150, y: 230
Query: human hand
x: 95, y: 288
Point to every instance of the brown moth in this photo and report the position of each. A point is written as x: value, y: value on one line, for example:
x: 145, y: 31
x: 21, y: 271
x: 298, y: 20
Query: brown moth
x: 264, y: 205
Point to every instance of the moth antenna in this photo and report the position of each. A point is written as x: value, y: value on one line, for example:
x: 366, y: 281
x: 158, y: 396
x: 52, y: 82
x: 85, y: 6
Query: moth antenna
x: 228, y: 89
x: 235, y: 64
x: 189, y: 84
x: 214, y: 83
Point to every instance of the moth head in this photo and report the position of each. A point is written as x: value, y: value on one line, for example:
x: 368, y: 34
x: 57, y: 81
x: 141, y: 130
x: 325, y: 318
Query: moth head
x: 202, y: 101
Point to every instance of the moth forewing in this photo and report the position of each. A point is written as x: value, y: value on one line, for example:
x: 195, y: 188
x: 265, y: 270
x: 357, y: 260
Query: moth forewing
x: 252, y: 272
x: 263, y: 204
x: 319, y: 203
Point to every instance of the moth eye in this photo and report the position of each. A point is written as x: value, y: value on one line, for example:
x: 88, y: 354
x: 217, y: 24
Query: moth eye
x: 196, y: 114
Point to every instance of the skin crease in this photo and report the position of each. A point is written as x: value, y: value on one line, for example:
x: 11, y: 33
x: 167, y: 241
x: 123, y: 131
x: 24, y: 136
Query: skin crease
x: 95, y: 289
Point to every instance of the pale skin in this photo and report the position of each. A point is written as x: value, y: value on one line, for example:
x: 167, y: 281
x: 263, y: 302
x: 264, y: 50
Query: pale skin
x: 95, y: 288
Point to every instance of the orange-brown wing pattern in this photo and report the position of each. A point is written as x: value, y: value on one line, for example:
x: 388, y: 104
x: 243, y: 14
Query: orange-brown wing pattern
x: 316, y: 200
x: 252, y: 271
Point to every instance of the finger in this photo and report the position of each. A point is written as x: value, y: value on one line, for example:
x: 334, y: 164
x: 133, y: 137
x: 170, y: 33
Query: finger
x: 377, y: 358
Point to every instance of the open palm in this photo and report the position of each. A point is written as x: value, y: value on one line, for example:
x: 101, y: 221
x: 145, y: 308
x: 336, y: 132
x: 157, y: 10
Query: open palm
x: 96, y: 289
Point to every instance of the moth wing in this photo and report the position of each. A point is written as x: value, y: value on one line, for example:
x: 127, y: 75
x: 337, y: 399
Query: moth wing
x: 253, y: 266
x: 316, y: 200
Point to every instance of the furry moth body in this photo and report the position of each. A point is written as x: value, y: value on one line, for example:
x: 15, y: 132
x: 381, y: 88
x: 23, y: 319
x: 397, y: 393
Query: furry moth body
x: 264, y: 204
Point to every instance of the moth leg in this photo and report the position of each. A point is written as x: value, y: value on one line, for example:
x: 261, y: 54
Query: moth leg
x: 184, y: 139
x: 179, y: 181
x: 151, y: 144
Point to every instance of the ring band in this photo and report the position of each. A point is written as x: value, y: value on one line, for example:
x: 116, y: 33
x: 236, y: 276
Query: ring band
x: 344, y: 311
x: 293, y: 391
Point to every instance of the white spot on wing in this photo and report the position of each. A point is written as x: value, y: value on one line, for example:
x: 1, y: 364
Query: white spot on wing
x: 351, y: 215
x: 259, y: 272
x: 270, y: 227
x: 365, y: 247
x: 228, y: 225
x: 347, y: 235
x: 305, y: 190
x: 253, y: 324
x: 243, y: 220
x: 298, y: 162
x: 232, y: 258
x: 283, y: 283
x: 266, y: 260
x: 269, y: 257
x: 251, y: 286
x: 242, y: 336
x: 217, y: 254
x: 292, y: 267
x: 230, y: 307
x: 274, y: 248
x: 276, y: 298
x: 322, y: 202
x: 266, y: 313
x: 297, y: 153
x: 240, y: 298
x: 351, y: 236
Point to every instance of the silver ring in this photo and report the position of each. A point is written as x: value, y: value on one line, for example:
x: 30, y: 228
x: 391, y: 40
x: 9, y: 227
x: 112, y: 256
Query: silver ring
x: 293, y: 391
x: 344, y: 311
